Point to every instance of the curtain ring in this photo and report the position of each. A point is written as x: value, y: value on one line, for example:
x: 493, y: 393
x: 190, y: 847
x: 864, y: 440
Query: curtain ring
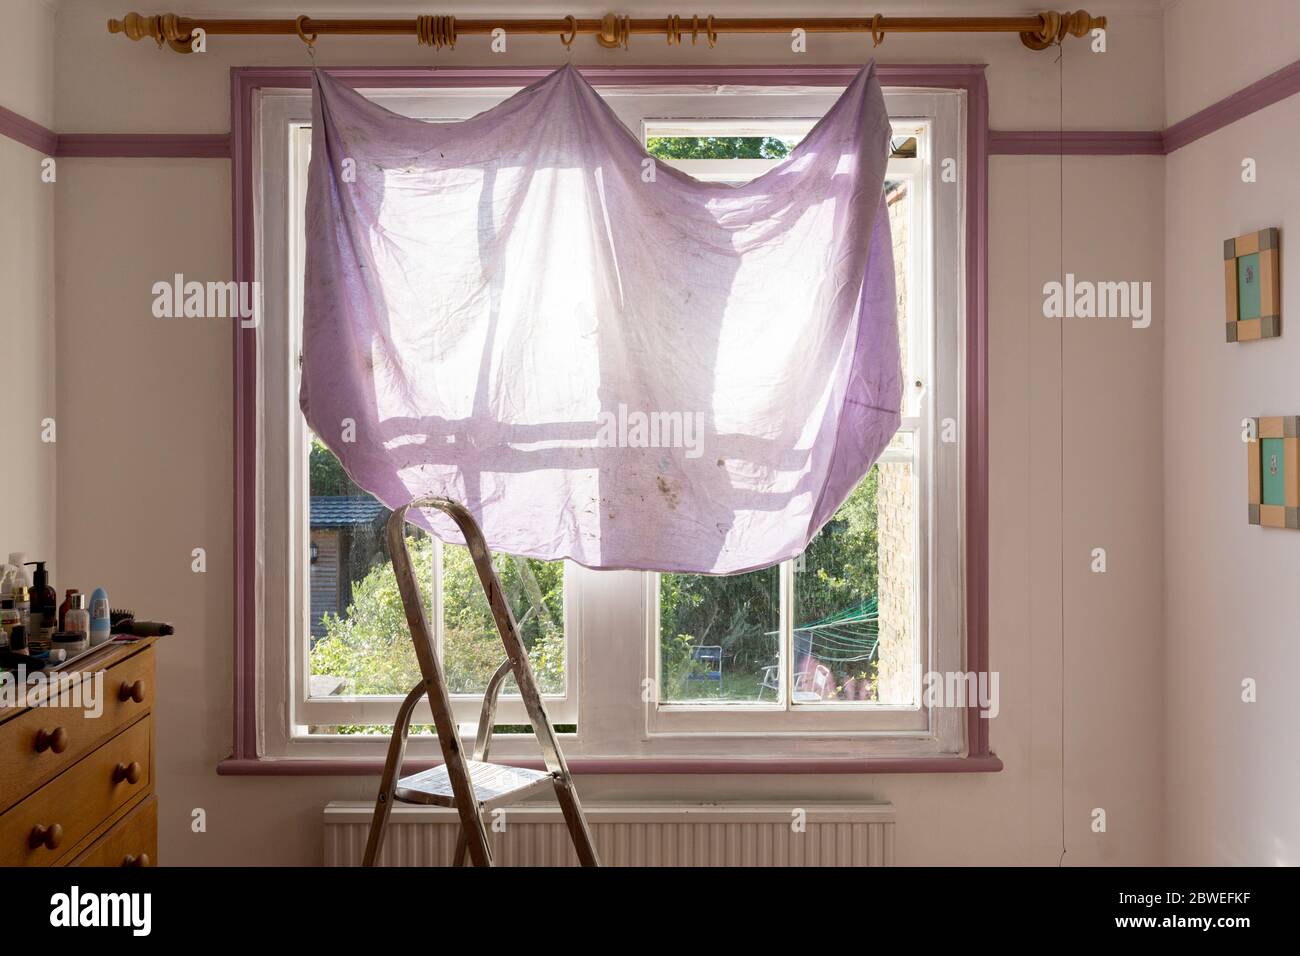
x: 695, y: 29
x: 614, y: 31
x: 674, y: 30
x: 300, y: 26
x: 877, y: 34
x: 710, y: 33
x: 571, y: 24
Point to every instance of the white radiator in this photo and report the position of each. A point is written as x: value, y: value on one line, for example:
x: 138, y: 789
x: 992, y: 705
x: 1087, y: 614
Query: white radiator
x: 641, y: 835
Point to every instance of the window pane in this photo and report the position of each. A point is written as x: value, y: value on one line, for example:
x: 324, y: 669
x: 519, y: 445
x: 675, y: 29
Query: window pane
x: 720, y: 147
x: 360, y: 643
x: 719, y: 637
x: 471, y: 648
x: 854, y: 597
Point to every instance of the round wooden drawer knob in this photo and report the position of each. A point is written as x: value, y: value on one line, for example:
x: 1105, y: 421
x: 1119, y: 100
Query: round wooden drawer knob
x: 141, y: 860
x: 130, y: 772
x: 49, y: 837
x: 133, y: 692
x: 55, y: 740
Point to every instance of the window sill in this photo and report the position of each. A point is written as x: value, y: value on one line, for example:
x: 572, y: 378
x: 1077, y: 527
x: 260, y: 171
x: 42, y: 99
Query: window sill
x: 365, y: 767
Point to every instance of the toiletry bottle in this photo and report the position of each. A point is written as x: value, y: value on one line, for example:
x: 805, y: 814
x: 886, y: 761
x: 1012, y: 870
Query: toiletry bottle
x: 78, y: 618
x: 22, y: 604
x: 9, y: 616
x: 100, y: 620
x: 19, y: 560
x: 18, y: 640
x: 44, y: 606
x: 63, y: 609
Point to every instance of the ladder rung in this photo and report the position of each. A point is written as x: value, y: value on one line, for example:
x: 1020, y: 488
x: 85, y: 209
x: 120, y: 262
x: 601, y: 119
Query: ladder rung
x: 494, y: 785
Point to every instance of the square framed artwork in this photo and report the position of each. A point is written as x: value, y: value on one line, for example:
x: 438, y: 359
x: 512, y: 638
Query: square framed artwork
x: 1252, y: 276
x: 1273, y: 470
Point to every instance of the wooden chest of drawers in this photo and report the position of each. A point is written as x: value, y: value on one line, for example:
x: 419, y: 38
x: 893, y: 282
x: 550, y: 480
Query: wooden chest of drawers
x: 76, y: 770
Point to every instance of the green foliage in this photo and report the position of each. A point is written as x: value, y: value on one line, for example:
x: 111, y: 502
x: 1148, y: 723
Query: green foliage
x: 326, y: 473
x: 741, y: 613
x: 370, y: 647
x: 841, y: 565
x: 678, y: 666
x: 717, y: 147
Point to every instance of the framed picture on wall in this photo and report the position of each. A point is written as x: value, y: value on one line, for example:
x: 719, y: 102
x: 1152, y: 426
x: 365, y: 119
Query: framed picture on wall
x: 1252, y: 279
x: 1273, y: 468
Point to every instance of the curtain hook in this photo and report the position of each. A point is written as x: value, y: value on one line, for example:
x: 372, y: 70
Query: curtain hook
x: 710, y: 33
x: 301, y: 26
x: 877, y: 34
x: 571, y: 24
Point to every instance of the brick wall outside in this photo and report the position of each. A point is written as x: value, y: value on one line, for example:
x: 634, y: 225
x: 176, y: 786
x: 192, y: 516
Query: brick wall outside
x: 895, y: 507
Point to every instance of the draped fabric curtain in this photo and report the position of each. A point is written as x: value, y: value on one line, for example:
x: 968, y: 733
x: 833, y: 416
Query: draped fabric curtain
x: 603, y: 358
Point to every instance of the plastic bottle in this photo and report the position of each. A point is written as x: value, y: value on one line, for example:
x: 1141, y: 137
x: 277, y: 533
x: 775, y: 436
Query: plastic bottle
x: 101, y: 626
x: 22, y: 604
x: 19, y: 560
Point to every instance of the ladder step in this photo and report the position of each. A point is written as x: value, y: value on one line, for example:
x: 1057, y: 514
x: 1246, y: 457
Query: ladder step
x: 494, y: 785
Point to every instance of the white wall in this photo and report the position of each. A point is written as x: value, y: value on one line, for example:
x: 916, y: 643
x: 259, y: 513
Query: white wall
x: 27, y: 335
x: 1231, y: 604
x: 146, y: 467
x: 1213, y: 49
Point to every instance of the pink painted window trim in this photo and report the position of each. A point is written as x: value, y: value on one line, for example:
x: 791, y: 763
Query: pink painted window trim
x: 969, y: 78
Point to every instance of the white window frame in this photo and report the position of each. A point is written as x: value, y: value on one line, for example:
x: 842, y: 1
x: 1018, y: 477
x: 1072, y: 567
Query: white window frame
x: 611, y: 619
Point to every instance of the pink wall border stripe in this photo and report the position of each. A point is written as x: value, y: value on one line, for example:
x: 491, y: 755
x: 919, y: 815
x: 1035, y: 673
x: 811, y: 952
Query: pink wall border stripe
x: 1263, y: 93
x: 146, y: 145
x: 22, y: 130
x: 1075, y: 143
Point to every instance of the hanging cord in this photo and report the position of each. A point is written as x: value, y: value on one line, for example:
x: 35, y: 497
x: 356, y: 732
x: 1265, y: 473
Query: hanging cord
x: 1060, y: 170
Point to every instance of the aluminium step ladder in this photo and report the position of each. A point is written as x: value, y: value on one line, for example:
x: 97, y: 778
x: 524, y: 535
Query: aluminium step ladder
x: 471, y: 786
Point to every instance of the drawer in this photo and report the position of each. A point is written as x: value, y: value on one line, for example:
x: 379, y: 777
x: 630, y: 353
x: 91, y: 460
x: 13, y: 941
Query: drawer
x: 133, y: 840
x: 73, y: 804
x: 42, y: 742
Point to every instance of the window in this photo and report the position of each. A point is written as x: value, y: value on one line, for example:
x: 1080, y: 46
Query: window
x: 837, y: 627
x: 823, y: 654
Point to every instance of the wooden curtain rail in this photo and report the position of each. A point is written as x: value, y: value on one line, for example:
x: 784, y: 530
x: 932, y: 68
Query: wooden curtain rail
x: 1038, y: 32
